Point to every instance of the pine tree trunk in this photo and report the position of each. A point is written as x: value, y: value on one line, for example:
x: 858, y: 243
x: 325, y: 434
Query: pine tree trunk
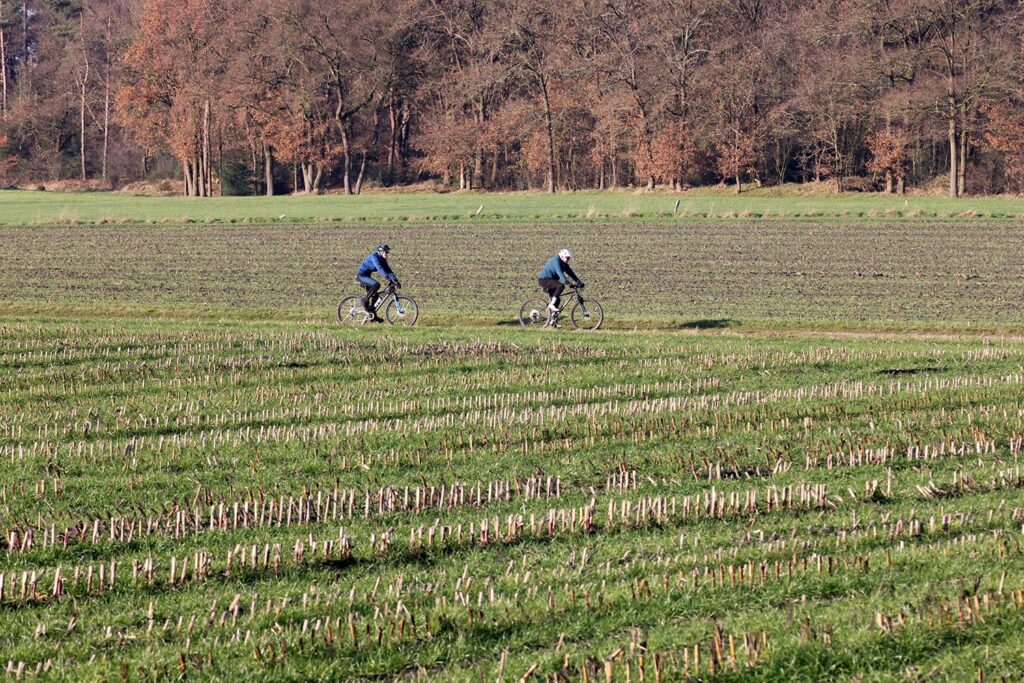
x: 24, y: 77
x: 3, y: 66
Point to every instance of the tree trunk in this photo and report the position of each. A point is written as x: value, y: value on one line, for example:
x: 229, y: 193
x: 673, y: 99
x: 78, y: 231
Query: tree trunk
x: 82, y: 92
x: 362, y: 173
x: 207, y: 176
x: 901, y: 185
x: 951, y: 115
x: 255, y: 177
x: 307, y: 177
x: 268, y: 168
x: 81, y: 122
x: 392, y: 134
x: 24, y: 80
x: 888, y: 182
x: 615, y: 173
x: 346, y: 162
x: 317, y: 178
x: 953, y: 170
x: 494, y: 169
x: 551, y: 135
x: 106, y: 105
x: 3, y: 66
x: 962, y: 177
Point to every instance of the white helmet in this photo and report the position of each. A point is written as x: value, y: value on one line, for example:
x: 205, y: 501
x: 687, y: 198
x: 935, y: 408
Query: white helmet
x: 565, y: 254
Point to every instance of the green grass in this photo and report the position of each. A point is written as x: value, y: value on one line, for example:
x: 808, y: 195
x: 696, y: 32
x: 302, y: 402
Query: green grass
x: 21, y: 207
x: 153, y: 378
x: 939, y: 276
x: 115, y: 417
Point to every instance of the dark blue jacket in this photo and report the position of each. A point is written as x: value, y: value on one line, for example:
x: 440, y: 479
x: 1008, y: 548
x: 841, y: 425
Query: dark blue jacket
x: 375, y: 264
x: 557, y: 269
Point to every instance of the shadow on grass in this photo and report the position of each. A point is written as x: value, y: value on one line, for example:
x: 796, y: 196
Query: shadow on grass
x: 895, y: 372
x: 709, y: 324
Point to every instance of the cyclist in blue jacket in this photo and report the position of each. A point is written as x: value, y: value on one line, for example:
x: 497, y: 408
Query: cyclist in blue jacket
x: 554, y: 277
x: 377, y: 262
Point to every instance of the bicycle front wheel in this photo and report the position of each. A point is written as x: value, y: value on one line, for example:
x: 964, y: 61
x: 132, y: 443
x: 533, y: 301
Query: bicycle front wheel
x: 402, y: 311
x: 533, y: 312
x: 587, y: 315
x: 351, y: 311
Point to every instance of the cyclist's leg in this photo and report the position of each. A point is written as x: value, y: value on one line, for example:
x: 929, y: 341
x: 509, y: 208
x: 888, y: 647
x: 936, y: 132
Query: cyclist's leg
x: 554, y: 288
x: 372, y: 287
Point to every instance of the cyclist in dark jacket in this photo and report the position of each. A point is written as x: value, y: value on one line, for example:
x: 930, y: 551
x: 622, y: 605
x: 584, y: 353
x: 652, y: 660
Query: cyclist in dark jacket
x: 555, y: 276
x: 377, y: 262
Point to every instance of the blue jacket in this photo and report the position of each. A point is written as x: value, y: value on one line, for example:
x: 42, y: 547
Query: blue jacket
x: 375, y: 264
x: 557, y: 269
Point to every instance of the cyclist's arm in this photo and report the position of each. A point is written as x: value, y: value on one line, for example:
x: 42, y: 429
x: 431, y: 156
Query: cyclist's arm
x: 568, y: 272
x: 384, y: 269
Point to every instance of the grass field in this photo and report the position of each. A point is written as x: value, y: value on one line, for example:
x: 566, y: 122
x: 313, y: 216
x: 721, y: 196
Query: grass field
x: 203, y: 477
x: 938, y: 276
x: 20, y: 207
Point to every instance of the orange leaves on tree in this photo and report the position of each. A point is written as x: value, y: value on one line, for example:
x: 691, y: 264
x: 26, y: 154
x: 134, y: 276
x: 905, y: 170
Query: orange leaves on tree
x: 736, y: 152
x: 161, y: 104
x: 1005, y: 133
x: 6, y: 163
x: 888, y: 152
x: 666, y: 155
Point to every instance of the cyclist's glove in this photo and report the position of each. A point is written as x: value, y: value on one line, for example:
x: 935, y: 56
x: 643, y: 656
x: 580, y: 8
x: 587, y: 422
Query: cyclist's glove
x: 398, y: 285
x: 579, y: 283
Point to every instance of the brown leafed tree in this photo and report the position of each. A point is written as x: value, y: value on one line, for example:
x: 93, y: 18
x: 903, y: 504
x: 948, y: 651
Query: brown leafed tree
x: 889, y: 157
x: 1004, y: 131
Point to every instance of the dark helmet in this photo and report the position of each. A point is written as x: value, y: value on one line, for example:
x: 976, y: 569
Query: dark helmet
x: 383, y: 247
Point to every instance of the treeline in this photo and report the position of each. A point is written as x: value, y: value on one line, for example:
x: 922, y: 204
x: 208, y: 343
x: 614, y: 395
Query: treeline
x: 254, y: 96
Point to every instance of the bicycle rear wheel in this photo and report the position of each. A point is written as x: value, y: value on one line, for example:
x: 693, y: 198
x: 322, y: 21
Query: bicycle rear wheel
x: 587, y: 315
x: 533, y: 312
x: 402, y: 311
x: 351, y: 311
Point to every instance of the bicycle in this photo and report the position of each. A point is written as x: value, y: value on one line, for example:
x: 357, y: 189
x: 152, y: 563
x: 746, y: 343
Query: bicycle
x: 584, y: 314
x: 398, y: 310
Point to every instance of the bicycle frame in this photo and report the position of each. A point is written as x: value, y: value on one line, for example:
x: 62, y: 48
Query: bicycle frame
x: 382, y: 300
x: 574, y: 293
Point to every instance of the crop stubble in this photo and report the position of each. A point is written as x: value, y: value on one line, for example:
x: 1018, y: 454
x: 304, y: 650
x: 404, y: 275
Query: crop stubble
x: 302, y: 502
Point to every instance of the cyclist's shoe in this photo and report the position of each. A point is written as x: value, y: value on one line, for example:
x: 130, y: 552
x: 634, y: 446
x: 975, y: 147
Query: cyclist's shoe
x: 376, y: 319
